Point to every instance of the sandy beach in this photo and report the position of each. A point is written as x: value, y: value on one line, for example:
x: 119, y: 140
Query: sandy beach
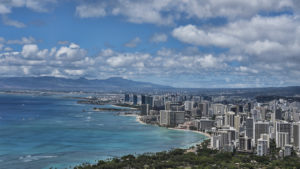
x: 195, y: 131
x: 137, y: 118
x: 131, y: 108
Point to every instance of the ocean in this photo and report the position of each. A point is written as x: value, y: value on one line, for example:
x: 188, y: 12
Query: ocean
x: 38, y: 132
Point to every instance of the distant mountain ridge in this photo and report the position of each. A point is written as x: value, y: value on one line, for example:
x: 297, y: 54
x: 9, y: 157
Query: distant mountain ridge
x: 81, y: 84
x: 118, y: 84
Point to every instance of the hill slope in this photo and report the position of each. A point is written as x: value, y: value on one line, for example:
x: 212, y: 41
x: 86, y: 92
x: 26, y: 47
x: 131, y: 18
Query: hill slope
x: 54, y: 83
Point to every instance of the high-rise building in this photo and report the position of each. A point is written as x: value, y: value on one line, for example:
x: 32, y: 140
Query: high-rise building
x: 205, y: 124
x: 220, y: 121
x: 262, y: 147
x: 278, y: 114
x: 296, y: 135
x: 145, y: 109
x: 126, y: 98
x: 262, y: 113
x: 283, y: 127
x: 218, y: 108
x: 260, y: 128
x: 245, y: 143
x: 135, y: 99
x: 282, y: 139
x: 234, y: 108
x: 232, y: 134
x: 188, y: 105
x: 149, y: 100
x: 237, y: 122
x: 220, y: 140
x: 229, y: 118
x: 196, y: 112
x: 204, y: 108
x: 143, y: 99
x: 171, y: 118
x: 168, y: 105
x: 215, y: 142
x: 240, y: 108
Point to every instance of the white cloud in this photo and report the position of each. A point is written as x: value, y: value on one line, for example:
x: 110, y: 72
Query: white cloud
x: 133, y: 43
x: 11, y: 22
x: 32, y: 51
x: 159, y: 37
x: 208, y: 61
x: 127, y: 59
x: 36, y: 5
x: 246, y: 69
x: 191, y: 34
x: 74, y: 72
x: 166, y: 12
x: 22, y: 41
x: 73, y: 52
x: 4, y: 9
x: 90, y: 10
x: 266, y: 38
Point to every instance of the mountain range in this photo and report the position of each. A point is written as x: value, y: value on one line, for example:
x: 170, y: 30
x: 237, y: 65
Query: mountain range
x: 81, y: 84
x: 118, y: 84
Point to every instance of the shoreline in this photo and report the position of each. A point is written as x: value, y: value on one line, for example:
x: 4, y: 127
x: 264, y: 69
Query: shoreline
x: 130, y: 108
x: 178, y: 129
x: 137, y: 118
x: 195, y: 131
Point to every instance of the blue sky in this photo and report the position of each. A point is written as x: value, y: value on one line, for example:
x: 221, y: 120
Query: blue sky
x: 191, y: 43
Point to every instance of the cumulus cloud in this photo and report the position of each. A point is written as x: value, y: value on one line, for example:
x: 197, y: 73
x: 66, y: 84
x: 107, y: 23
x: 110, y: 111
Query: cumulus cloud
x: 258, y: 42
x: 32, y: 51
x: 73, y: 52
x: 133, y: 43
x: 74, y: 72
x: 262, y: 38
x: 166, y: 12
x: 159, y: 37
x: 73, y: 61
x: 121, y: 60
x: 69, y: 61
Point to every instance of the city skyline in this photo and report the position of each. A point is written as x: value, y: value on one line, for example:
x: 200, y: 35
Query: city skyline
x: 176, y: 43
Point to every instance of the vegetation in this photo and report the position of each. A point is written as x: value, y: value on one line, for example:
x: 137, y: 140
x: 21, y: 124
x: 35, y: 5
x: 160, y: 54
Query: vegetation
x: 202, y: 158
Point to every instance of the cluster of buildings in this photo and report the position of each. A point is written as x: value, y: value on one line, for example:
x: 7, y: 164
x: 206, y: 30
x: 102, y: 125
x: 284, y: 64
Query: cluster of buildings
x: 234, y: 123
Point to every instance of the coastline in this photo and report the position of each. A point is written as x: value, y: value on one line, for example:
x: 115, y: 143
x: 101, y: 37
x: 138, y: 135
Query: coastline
x: 178, y: 129
x: 137, y: 118
x: 130, y: 108
x: 195, y: 131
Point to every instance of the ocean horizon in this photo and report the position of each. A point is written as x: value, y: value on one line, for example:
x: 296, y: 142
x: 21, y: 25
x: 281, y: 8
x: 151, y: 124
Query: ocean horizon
x: 55, y: 131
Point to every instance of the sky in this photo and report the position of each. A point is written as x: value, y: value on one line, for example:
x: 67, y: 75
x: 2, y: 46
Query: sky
x: 180, y: 43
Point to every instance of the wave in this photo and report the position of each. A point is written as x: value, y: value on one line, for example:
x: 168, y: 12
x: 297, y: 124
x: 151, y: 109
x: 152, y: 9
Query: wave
x: 89, y: 118
x: 29, y: 158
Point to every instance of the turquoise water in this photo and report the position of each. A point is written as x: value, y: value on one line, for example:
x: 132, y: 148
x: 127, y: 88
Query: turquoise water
x: 53, y: 131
